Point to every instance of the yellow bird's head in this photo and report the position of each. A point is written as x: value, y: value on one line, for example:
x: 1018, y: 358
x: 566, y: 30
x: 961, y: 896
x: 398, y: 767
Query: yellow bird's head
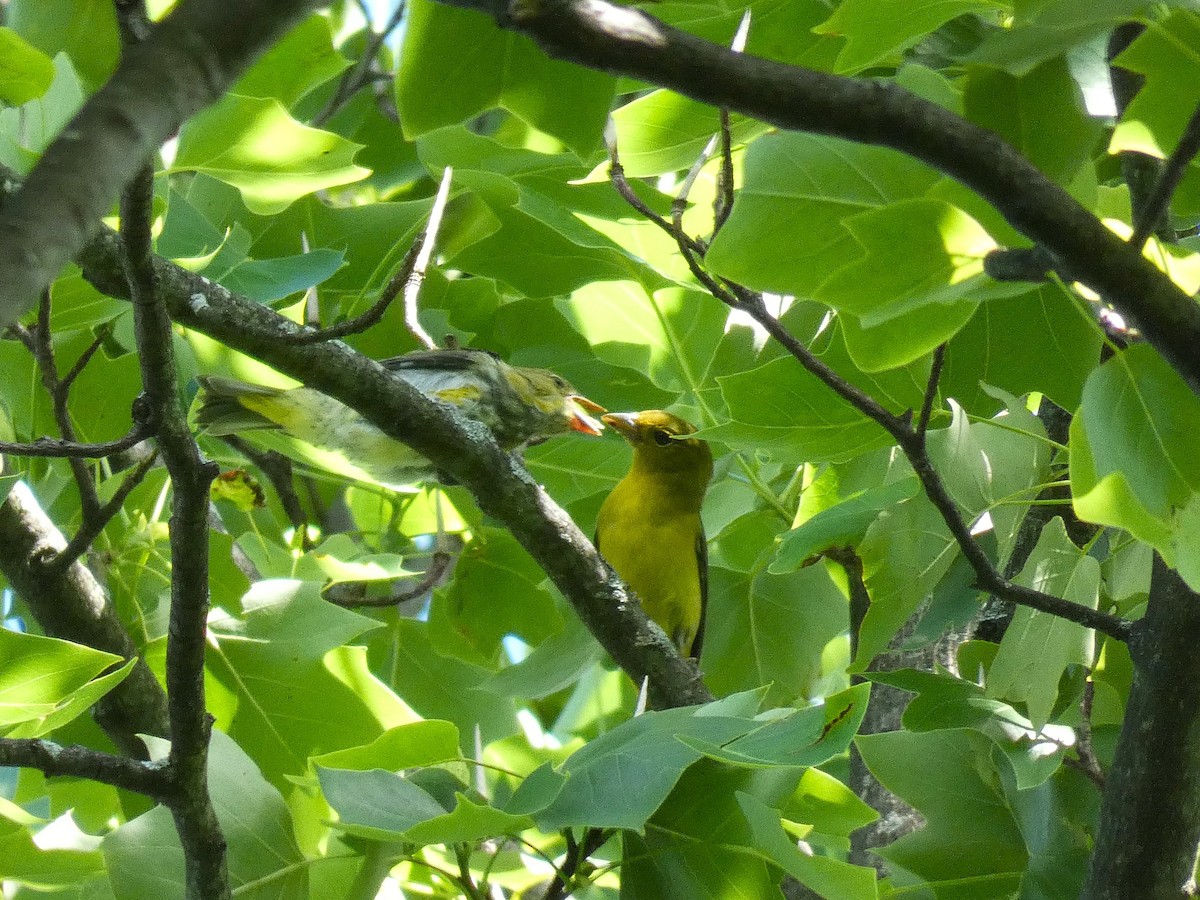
x: 661, y: 444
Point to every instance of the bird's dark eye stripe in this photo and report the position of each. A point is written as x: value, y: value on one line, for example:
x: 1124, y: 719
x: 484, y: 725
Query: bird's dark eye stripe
x: 661, y: 437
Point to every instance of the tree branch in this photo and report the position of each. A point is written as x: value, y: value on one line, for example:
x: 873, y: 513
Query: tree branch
x: 189, y: 60
x: 463, y: 449
x: 629, y: 42
x: 147, y: 778
x: 206, y: 872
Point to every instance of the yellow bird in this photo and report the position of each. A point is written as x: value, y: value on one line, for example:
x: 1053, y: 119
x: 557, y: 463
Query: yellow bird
x: 649, y: 527
x: 520, y: 405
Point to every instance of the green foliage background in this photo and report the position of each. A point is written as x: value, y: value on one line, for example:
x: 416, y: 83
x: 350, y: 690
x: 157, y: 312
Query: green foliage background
x: 491, y: 701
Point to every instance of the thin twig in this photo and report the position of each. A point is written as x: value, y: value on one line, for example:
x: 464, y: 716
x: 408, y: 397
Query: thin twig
x: 577, y: 855
x: 53, y: 760
x: 1147, y: 218
x: 935, y: 374
x: 412, y: 287
x: 102, y: 334
x: 723, y: 202
x: 1084, y: 745
x: 94, y: 524
x: 40, y: 342
x: 60, y: 449
x: 370, y: 317
x: 438, y: 566
x: 360, y: 75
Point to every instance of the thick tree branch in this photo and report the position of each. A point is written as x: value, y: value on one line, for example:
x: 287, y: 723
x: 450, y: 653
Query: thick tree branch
x: 629, y: 42
x: 188, y: 61
x: 73, y: 606
x: 206, y: 872
x: 464, y: 450
x: 148, y: 778
x: 1150, y: 814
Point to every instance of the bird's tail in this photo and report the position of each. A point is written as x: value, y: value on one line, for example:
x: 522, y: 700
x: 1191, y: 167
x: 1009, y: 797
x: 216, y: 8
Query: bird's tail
x: 220, y: 406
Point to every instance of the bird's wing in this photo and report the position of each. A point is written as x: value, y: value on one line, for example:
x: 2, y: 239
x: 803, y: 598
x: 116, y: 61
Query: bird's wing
x: 441, y: 360
x: 702, y: 565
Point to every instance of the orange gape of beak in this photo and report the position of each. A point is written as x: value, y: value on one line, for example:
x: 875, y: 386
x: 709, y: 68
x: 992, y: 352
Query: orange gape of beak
x: 580, y: 420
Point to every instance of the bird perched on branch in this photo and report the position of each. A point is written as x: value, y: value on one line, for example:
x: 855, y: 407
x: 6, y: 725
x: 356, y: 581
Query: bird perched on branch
x: 520, y: 405
x: 649, y: 527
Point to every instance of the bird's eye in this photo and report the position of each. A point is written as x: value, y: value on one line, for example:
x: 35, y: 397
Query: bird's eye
x: 559, y: 382
x: 662, y: 438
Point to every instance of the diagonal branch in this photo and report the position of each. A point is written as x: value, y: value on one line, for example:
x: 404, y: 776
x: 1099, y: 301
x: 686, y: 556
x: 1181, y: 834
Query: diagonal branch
x: 629, y: 42
x: 148, y: 778
x: 464, y: 450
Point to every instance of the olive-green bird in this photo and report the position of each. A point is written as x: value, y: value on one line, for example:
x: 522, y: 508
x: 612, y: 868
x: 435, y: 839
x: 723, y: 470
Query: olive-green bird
x: 649, y: 527
x: 520, y: 405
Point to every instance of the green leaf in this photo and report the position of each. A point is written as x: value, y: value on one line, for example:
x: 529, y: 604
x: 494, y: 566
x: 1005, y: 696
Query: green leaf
x: 942, y: 265
x: 663, y: 132
x: 504, y: 69
x: 253, y: 144
x: 497, y: 590
x: 25, y: 72
x: 829, y: 878
x: 289, y: 636
x: 1132, y: 460
x: 877, y: 29
x: 782, y: 409
x: 1166, y: 54
x: 86, y: 30
x: 1046, y: 29
x: 772, y: 630
x: 839, y: 526
x: 46, y: 682
x: 388, y: 807
x: 824, y: 802
x: 987, y: 464
x: 267, y: 280
x: 144, y: 857
x: 905, y: 553
x: 1005, y: 345
x: 802, y: 737
x: 804, y: 186
x: 619, y: 779
x: 24, y: 862
x: 950, y: 778
x: 1037, y: 646
x: 304, y: 59
x: 1041, y: 113
x: 402, y: 747
x: 26, y: 132
x: 440, y: 686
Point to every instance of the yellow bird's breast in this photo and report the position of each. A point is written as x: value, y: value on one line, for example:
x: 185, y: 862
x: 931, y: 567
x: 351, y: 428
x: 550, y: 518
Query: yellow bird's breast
x: 651, y: 543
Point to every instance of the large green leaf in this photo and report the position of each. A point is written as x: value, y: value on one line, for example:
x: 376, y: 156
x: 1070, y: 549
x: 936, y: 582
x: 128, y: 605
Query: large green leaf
x: 786, y: 232
x: 144, y: 857
x: 253, y: 144
x: 45, y: 682
x: 878, y: 29
x: 1133, y: 464
x: 1037, y: 646
x: 288, y: 637
x: 25, y: 72
x: 950, y: 778
x: 494, y: 68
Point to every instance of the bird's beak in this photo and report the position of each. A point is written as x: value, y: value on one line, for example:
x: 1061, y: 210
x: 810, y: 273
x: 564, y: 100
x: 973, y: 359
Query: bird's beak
x: 581, y: 420
x: 625, y: 424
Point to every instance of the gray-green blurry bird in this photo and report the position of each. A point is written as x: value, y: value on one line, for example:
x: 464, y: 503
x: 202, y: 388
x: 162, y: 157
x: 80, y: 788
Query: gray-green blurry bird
x: 520, y: 405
